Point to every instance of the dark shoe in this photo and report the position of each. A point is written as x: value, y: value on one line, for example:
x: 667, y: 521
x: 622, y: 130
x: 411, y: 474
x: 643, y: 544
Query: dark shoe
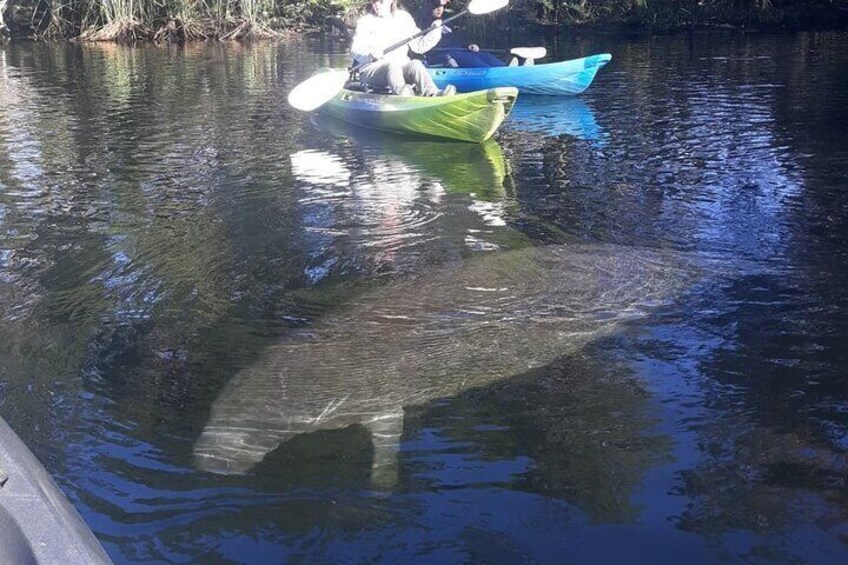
x: 449, y: 90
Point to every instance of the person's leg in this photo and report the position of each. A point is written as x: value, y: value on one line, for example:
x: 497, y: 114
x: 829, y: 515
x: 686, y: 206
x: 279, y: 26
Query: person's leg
x: 489, y: 60
x: 395, y: 76
x: 414, y: 72
x: 385, y: 74
x: 441, y: 58
x: 468, y: 59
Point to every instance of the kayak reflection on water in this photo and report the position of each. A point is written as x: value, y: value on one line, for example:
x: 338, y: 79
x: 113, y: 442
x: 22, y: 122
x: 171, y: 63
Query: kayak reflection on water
x: 379, y: 193
x: 480, y: 169
x: 554, y: 116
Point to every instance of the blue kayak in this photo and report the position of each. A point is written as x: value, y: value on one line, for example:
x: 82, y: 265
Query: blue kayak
x: 563, y: 78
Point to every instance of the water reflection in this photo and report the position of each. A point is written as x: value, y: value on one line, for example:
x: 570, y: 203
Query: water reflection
x: 476, y: 168
x: 170, y: 231
x: 392, y: 196
x: 554, y: 116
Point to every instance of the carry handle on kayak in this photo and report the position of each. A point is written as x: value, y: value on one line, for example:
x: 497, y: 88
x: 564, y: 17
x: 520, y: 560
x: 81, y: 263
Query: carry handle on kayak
x: 320, y: 88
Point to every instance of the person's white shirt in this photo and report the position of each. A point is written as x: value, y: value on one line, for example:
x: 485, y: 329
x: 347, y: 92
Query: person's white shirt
x: 374, y: 34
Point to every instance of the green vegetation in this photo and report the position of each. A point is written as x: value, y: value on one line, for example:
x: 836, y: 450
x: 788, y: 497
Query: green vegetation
x: 677, y: 13
x: 167, y: 20
x: 180, y: 20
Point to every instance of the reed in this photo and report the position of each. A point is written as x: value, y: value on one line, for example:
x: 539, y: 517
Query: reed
x: 186, y: 20
x: 651, y: 14
x: 252, y: 21
x: 120, y: 20
x: 58, y: 18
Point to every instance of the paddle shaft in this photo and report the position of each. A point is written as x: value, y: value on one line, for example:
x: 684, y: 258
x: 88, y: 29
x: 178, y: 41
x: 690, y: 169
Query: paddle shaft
x: 399, y: 44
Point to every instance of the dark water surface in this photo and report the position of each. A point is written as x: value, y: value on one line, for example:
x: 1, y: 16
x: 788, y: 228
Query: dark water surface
x: 617, y: 332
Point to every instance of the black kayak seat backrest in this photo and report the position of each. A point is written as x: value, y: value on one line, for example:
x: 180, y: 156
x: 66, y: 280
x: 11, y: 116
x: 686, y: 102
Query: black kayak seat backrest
x: 359, y: 86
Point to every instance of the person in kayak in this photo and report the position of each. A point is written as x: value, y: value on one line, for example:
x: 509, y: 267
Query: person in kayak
x: 452, y: 52
x: 383, y: 25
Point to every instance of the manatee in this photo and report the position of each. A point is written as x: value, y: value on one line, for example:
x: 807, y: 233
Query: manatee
x: 458, y: 326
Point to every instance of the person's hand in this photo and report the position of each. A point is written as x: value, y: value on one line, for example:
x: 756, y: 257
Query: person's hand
x: 376, y: 54
x: 473, y: 47
x: 446, y: 29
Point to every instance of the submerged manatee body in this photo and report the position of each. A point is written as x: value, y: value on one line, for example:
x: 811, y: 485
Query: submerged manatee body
x: 456, y: 327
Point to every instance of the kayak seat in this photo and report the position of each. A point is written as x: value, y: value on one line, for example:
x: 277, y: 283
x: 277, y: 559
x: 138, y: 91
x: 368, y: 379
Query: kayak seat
x: 527, y: 54
x: 358, y: 86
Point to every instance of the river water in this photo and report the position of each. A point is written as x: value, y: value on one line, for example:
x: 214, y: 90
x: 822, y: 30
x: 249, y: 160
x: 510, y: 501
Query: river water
x: 236, y: 333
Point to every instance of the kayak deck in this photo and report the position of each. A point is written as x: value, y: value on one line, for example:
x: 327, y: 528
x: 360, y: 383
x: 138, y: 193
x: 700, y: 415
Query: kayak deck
x: 473, y: 117
x: 557, y: 79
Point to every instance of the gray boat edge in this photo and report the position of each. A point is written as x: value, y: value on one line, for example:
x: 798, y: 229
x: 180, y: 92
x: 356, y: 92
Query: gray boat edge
x: 38, y: 525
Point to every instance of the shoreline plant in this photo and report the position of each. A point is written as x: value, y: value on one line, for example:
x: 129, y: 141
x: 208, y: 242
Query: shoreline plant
x: 191, y: 20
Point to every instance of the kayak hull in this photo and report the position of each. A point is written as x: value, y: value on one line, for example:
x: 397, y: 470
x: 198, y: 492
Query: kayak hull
x: 554, y: 79
x: 473, y: 117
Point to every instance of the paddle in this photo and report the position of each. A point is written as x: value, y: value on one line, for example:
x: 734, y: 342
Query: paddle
x: 320, y: 88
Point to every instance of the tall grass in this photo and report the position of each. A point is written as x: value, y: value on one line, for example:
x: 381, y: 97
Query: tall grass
x: 121, y: 20
x: 159, y: 20
x: 59, y: 18
x: 2, y: 11
x: 253, y: 19
x: 676, y: 13
x: 185, y: 20
x: 182, y: 20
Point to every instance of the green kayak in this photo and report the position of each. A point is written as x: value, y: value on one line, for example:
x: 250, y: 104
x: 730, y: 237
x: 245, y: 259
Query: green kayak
x: 474, y: 116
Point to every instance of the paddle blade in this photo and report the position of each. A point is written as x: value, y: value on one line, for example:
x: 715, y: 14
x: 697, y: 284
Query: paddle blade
x: 317, y: 90
x: 479, y: 7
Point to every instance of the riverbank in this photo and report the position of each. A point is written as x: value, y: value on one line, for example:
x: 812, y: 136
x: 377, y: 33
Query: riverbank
x: 181, y: 20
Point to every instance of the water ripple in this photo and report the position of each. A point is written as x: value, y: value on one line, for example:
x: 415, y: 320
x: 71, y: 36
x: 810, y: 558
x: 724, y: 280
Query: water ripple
x: 648, y: 343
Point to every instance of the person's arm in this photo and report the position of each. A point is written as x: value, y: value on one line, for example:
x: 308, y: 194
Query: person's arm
x: 365, y: 45
x: 423, y: 43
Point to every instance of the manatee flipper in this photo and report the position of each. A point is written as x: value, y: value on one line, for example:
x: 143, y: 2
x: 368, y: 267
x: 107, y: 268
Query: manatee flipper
x: 386, y: 431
